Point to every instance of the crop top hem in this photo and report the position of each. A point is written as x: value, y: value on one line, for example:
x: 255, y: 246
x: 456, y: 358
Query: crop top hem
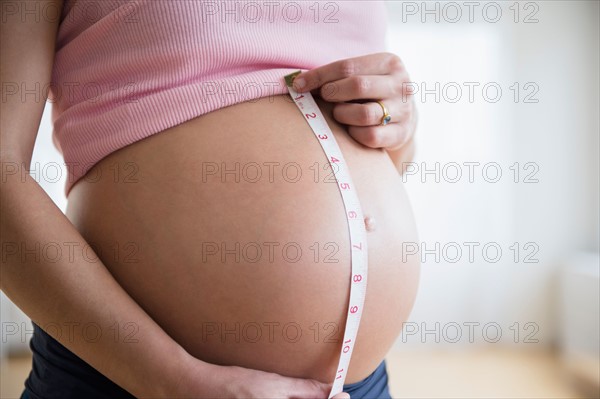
x: 143, y: 117
x: 127, y: 69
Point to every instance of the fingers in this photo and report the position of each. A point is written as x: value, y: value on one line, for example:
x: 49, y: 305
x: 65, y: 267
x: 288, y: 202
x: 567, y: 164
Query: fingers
x: 310, y: 389
x: 364, y: 122
x: 370, y: 77
x: 362, y: 87
x: 326, y: 388
x: 371, y: 113
x: 390, y: 136
x: 372, y: 64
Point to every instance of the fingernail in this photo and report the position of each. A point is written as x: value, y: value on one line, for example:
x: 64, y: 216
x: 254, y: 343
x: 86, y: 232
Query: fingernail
x: 299, y: 83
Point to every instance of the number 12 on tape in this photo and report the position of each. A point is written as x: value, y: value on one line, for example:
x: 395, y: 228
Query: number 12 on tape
x: 354, y: 216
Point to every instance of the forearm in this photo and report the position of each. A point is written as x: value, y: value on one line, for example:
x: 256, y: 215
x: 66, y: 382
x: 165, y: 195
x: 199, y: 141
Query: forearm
x: 75, y: 292
x: 403, y: 156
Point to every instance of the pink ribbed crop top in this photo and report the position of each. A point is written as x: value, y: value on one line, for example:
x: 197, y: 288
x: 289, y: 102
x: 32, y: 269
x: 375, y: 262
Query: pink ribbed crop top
x: 126, y: 69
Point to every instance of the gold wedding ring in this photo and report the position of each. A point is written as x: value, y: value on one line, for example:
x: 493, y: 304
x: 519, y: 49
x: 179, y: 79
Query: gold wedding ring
x: 386, y: 118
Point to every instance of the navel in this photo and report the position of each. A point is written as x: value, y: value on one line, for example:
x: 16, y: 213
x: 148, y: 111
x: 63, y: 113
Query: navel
x: 370, y: 223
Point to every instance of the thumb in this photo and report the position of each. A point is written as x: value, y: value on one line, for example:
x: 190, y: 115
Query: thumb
x: 327, y: 389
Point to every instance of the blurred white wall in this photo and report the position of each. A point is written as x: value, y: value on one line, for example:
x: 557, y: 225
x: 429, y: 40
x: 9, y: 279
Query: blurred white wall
x: 550, y: 209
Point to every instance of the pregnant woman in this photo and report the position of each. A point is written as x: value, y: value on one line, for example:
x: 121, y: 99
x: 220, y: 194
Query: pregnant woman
x: 204, y: 251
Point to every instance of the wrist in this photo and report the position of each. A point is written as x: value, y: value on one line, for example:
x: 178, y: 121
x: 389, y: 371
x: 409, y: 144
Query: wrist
x: 198, y: 379
x: 177, y: 374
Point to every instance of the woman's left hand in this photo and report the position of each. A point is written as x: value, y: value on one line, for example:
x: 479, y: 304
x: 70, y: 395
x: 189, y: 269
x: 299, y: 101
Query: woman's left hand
x: 375, y: 77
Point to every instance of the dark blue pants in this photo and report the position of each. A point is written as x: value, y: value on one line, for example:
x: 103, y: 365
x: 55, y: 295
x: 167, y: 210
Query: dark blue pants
x: 57, y: 373
x: 374, y: 386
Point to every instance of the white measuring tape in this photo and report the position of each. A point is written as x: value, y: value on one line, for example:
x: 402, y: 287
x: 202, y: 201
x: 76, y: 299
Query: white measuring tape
x: 354, y: 216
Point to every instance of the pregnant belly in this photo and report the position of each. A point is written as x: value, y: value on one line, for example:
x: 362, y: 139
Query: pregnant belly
x: 230, y: 232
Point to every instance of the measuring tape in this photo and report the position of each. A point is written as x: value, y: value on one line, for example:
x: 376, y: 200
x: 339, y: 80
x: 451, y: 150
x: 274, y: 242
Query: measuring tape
x: 354, y: 216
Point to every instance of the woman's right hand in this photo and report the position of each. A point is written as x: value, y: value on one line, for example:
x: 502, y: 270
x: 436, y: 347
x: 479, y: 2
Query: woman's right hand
x: 238, y: 382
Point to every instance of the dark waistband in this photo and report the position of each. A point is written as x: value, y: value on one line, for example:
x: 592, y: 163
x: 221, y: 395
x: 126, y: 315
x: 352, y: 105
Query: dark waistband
x: 59, y: 373
x: 374, y: 386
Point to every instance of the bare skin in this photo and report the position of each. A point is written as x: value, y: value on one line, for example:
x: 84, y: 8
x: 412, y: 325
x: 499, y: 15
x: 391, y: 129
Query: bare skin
x: 176, y: 211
